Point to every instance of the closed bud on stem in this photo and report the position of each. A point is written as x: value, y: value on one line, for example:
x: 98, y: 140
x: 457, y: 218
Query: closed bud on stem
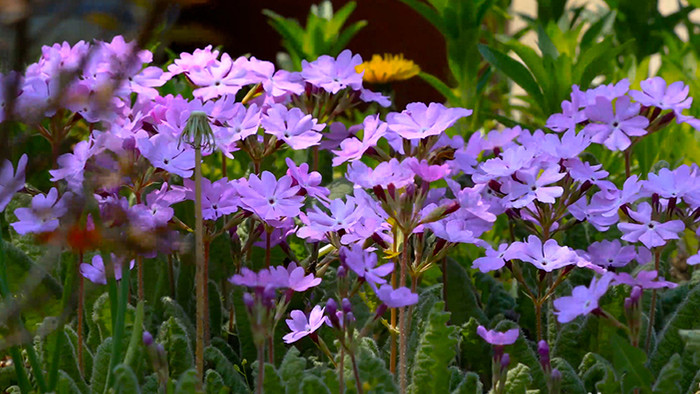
x: 349, y: 318
x: 331, y: 309
x: 391, y: 189
x: 347, y: 306
x: 342, y: 272
x: 495, y: 185
x: 147, y: 338
x: 378, y: 239
x: 505, y: 361
x: 380, y: 311
x: 543, y: 351
x: 248, y: 301
x: 585, y: 186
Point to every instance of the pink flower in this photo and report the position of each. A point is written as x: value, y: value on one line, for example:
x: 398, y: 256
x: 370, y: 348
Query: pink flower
x: 302, y: 326
x: 498, y: 338
x: 648, y: 231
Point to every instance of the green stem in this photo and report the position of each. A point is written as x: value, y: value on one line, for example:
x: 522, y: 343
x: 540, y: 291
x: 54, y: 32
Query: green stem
x: 119, y: 323
x: 68, y: 288
x: 201, y: 281
x: 652, y: 310
x: 136, y: 336
x: 355, y: 371
x: 261, y: 367
x: 403, y: 329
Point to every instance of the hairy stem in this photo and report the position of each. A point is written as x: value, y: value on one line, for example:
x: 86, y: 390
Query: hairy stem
x: 81, y: 307
x: 403, y: 329
x: 199, y: 259
x: 261, y: 368
x: 356, y: 372
x: 628, y: 162
x: 652, y: 308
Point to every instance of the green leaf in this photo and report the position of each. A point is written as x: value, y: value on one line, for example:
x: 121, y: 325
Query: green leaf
x: 668, y: 381
x: 187, y: 383
x: 374, y: 374
x: 215, y: 310
x: 461, y: 297
x: 570, y: 382
x: 66, y: 384
x: 100, y: 367
x: 272, y: 383
x: 291, y: 370
x: 518, y: 379
x: 216, y: 360
x: 173, y: 336
x: 313, y: 385
x: 172, y: 308
x: 472, y: 350
x: 436, y: 350
x: 347, y: 35
x: 513, y: 70
x: 213, y: 382
x: 598, y: 374
x: 545, y: 43
x: 429, y: 13
x: 125, y: 380
x: 670, y: 340
x: 470, y: 384
x: 440, y: 86
x: 629, y: 364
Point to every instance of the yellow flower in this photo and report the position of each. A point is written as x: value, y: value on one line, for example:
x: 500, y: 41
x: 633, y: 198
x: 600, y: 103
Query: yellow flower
x: 387, y: 69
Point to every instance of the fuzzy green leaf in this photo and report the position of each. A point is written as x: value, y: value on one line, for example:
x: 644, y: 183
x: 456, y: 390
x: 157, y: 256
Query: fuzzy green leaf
x: 187, y: 383
x: 213, y: 381
x: 670, y: 377
x: 313, y: 385
x: 292, y: 370
x: 522, y: 352
x: 216, y: 360
x: 470, y: 384
x: 66, y: 384
x: 629, y: 364
x: 518, y: 379
x: 570, y: 382
x: 173, y: 336
x: 436, y: 350
x: 100, y: 366
x: 461, y: 295
x: 125, y: 380
x: 670, y: 340
x: 598, y: 374
x: 374, y: 374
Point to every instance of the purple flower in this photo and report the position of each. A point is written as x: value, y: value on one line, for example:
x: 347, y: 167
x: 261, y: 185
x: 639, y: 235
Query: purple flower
x: 611, y: 253
x: 219, y: 78
x: 95, y: 272
x: 266, y: 278
x: 679, y: 183
x: 386, y: 172
x: 218, y: 198
x: 343, y: 216
x: 547, y: 257
x: 648, y: 231
x: 609, y: 92
x: 275, y: 84
x: 570, y: 115
x: 72, y: 165
x: 498, y: 338
x: 43, y: 215
x: 644, y: 279
x: 332, y: 74
x: 583, y: 300
x: 299, y: 131
x: 502, y: 139
x: 585, y: 172
x: 302, y: 326
x: 269, y: 198
x: 452, y: 229
x: 493, y: 260
x: 511, y: 160
x: 364, y: 264
x: 352, y: 149
x: 656, y: 93
x: 11, y: 183
x: 613, y: 129
x: 425, y: 171
x: 420, y: 121
x: 310, y: 182
x: 165, y: 152
x: 195, y: 61
x: 240, y: 123
x: 534, y: 188
x: 298, y: 280
x: 398, y: 298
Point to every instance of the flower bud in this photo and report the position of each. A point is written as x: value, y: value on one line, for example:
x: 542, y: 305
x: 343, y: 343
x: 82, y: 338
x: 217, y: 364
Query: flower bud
x: 505, y: 361
x: 347, y: 306
x: 495, y: 185
x: 147, y: 338
x: 269, y: 295
x: 543, y: 351
x: 349, y: 318
x: 342, y: 272
x: 378, y: 239
x: 410, y: 191
x: 379, y: 192
x: 629, y: 303
x: 636, y: 293
x: 391, y: 189
x: 380, y: 311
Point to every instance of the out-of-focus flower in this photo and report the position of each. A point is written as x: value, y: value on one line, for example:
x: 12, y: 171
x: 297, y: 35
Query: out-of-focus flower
x: 218, y: 198
x: 498, y: 338
x: 399, y: 298
x: 95, y: 272
x: 655, y: 93
x: 387, y: 68
x: 43, y: 215
x: 166, y: 153
x: 302, y: 326
x: 11, y: 181
x: 644, y: 279
x: 583, y: 300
